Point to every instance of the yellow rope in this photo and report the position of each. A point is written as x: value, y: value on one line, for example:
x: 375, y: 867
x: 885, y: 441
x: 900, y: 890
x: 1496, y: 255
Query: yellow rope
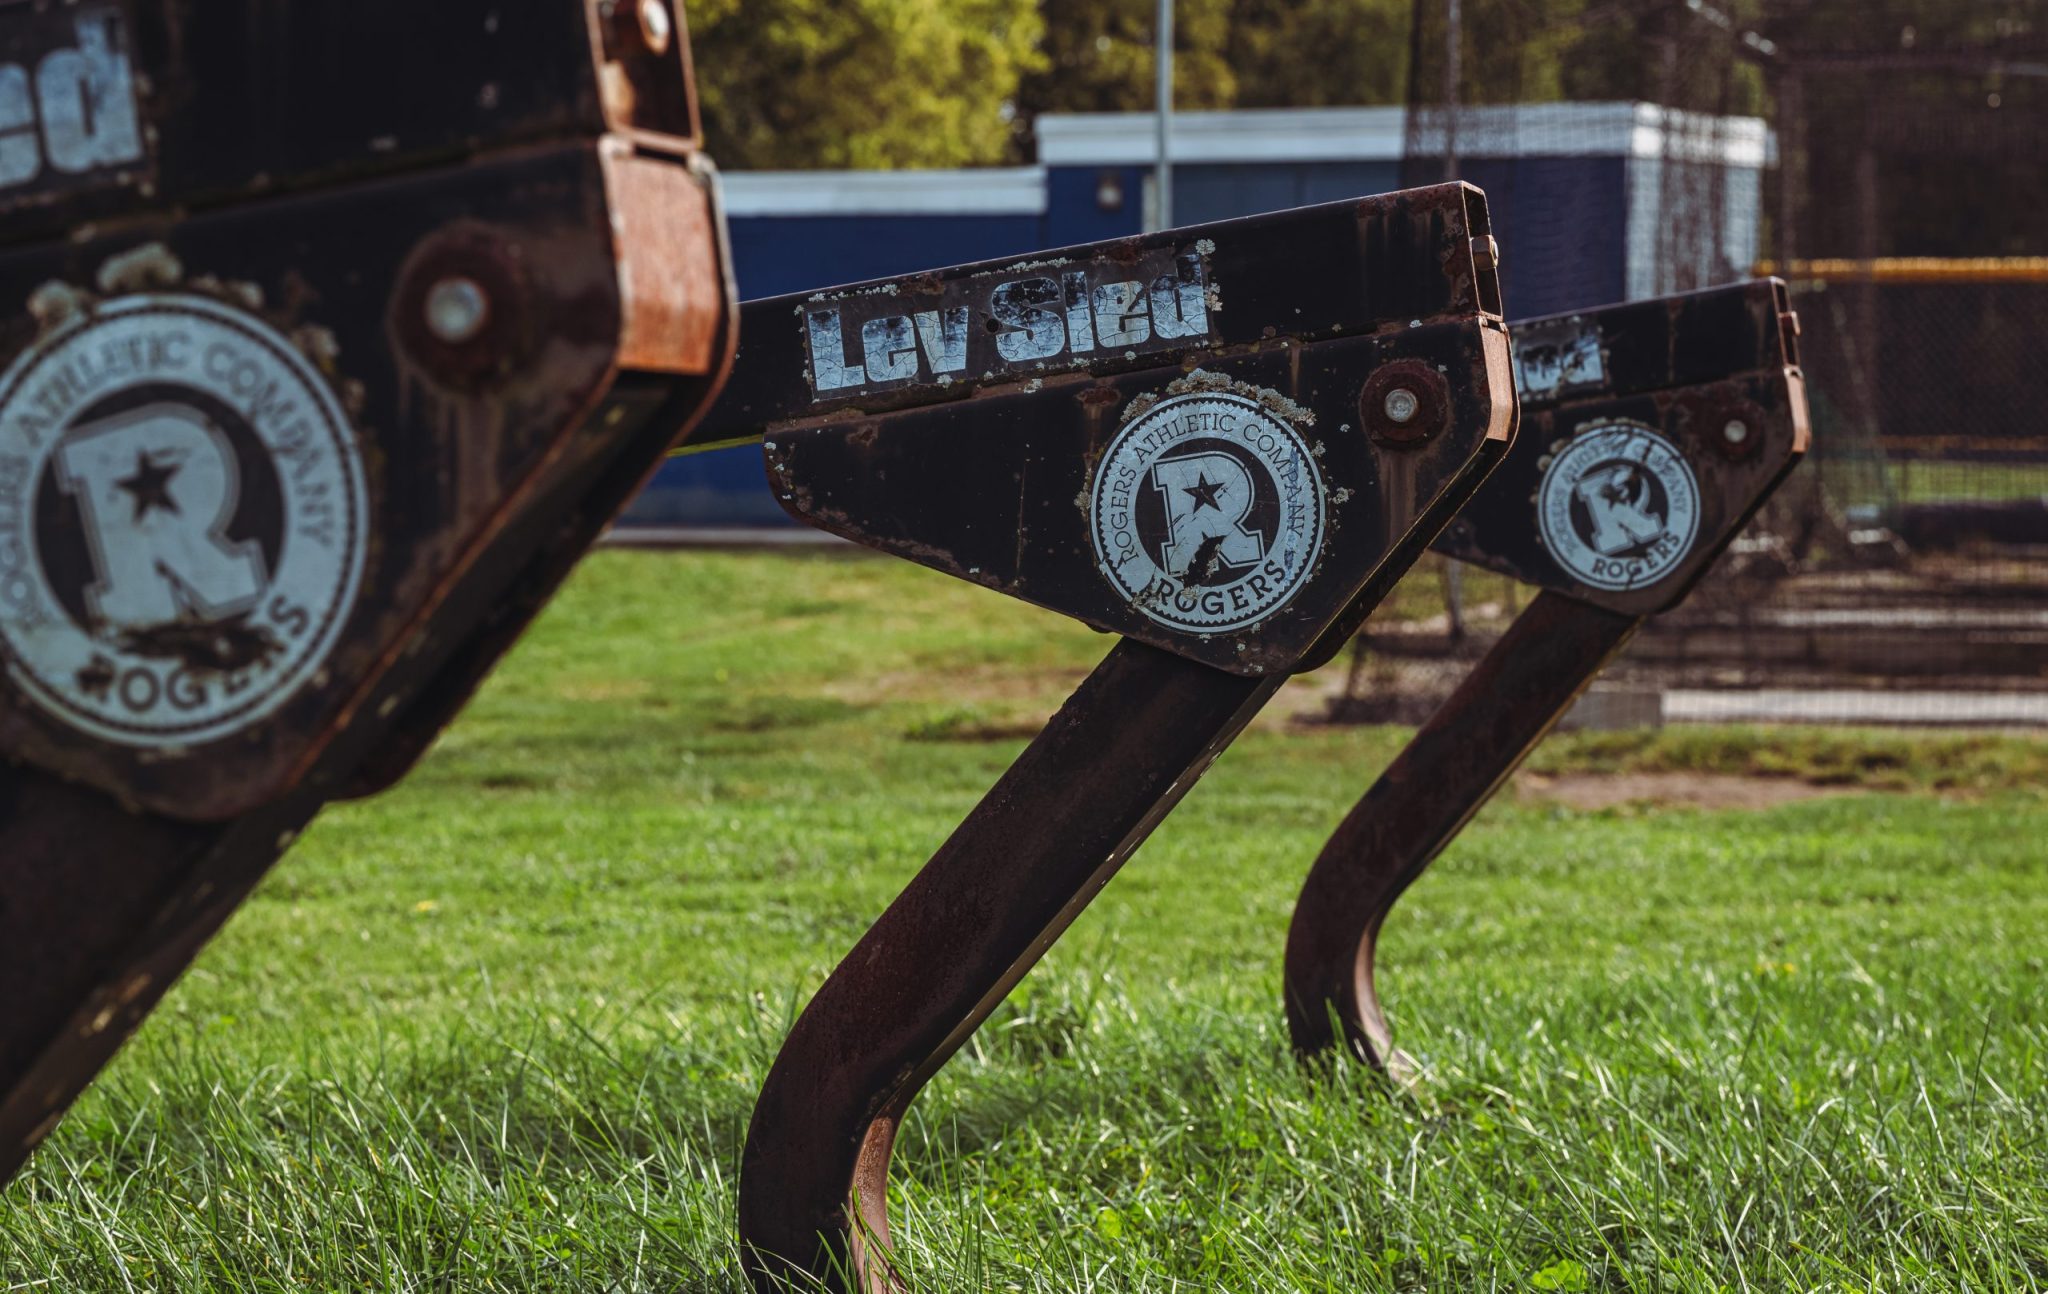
x: 1916, y: 269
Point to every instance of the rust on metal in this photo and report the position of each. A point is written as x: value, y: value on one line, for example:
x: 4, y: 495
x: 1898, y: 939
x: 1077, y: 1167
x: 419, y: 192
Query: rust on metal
x: 1444, y: 775
x: 814, y: 1179
x: 1162, y: 438
x: 1008, y: 423
x: 644, y: 77
x: 1405, y: 402
x: 1651, y: 435
x: 671, y: 294
x: 303, y: 424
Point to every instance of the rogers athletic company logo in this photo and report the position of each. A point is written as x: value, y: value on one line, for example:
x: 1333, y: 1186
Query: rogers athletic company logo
x: 182, y: 515
x: 1207, y: 512
x: 1619, y: 507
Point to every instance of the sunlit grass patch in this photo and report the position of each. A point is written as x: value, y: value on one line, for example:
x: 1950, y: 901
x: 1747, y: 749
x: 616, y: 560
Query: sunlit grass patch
x: 501, y: 1029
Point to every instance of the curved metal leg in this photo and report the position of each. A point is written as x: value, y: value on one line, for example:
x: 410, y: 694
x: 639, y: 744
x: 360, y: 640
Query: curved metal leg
x: 1048, y: 837
x: 1444, y: 775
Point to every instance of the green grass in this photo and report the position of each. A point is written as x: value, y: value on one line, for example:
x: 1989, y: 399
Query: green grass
x: 501, y: 1029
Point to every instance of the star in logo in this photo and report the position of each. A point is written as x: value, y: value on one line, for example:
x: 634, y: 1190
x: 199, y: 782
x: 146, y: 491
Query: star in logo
x: 1203, y: 492
x: 150, y: 486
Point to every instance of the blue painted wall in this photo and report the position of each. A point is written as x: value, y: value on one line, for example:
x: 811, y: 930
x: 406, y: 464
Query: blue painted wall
x: 1074, y: 216
x: 1224, y: 192
x: 773, y: 255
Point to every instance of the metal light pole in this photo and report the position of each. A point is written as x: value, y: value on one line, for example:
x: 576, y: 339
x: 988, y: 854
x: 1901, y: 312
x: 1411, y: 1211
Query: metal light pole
x: 1162, y: 180
x: 1454, y: 75
x: 1454, y: 72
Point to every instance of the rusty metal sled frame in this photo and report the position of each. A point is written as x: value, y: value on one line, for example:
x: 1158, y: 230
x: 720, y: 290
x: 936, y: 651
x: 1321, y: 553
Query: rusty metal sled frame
x: 1697, y: 397
x: 448, y: 336
x: 334, y: 334
x: 1223, y: 444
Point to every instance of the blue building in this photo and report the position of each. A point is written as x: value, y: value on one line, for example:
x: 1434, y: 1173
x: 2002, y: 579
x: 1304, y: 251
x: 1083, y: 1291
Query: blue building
x: 1591, y: 203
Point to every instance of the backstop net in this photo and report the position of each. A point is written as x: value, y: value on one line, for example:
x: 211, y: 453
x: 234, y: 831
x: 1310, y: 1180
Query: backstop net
x: 1902, y: 576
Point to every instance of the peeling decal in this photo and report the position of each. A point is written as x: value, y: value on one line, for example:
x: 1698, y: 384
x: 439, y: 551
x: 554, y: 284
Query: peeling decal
x: 68, y: 113
x: 1619, y: 507
x: 993, y: 324
x: 1207, y: 512
x: 182, y: 518
x: 1554, y: 358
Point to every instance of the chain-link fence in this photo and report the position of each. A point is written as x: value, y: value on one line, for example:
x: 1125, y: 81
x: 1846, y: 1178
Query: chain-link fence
x: 1901, y: 576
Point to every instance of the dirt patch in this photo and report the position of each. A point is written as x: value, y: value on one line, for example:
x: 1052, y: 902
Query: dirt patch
x: 1304, y: 701
x: 1724, y: 791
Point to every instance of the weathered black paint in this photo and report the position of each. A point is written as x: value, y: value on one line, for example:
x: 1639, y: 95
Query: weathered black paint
x: 342, y: 172
x: 991, y: 480
x: 1286, y: 279
x: 1685, y: 366
x: 243, y: 98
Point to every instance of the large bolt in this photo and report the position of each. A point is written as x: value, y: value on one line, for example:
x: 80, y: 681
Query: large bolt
x: 457, y: 310
x: 1736, y: 432
x: 1405, y: 403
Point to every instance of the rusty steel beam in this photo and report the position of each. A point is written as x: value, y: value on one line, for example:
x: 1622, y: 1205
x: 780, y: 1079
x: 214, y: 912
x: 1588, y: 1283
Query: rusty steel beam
x: 1224, y: 444
x: 498, y: 324
x: 1123, y: 750
x: 1444, y: 775
x: 1652, y: 433
x: 333, y: 335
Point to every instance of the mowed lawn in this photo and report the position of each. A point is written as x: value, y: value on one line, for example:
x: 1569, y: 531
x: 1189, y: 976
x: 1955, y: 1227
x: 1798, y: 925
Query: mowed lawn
x: 502, y: 1028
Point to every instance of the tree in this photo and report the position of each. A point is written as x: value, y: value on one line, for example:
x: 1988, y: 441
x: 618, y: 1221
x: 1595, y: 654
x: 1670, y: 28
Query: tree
x: 1320, y: 53
x: 861, y: 83
x: 1098, y: 57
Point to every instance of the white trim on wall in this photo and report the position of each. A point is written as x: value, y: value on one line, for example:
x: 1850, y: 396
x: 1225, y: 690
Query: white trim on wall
x: 1637, y: 131
x: 991, y: 191
x: 1259, y: 135
x: 1381, y: 134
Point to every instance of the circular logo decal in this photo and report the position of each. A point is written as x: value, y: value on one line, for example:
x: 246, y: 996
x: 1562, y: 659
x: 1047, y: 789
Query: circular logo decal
x: 182, y: 510
x: 1207, y: 512
x: 1619, y: 507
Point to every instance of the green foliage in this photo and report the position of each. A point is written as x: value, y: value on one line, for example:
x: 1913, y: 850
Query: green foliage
x: 1320, y: 53
x: 885, y: 83
x: 861, y: 83
x: 500, y: 1031
x: 1511, y: 51
x: 1099, y: 56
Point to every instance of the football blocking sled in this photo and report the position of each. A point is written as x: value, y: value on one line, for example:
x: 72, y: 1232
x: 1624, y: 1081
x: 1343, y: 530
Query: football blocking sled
x: 390, y: 312
x: 340, y: 332
x: 1651, y: 434
x: 1223, y: 444
x: 333, y: 334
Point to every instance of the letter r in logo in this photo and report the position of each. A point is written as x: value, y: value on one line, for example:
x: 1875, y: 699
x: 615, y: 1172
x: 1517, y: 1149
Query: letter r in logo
x: 157, y: 488
x: 1207, y: 496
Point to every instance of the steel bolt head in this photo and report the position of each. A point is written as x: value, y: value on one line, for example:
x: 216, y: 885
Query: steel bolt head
x: 457, y: 310
x: 1736, y: 432
x: 657, y: 29
x: 1401, y: 405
